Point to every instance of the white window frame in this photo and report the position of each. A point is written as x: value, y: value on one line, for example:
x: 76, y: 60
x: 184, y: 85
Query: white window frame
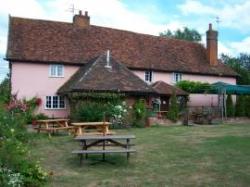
x: 177, y: 77
x: 58, y: 102
x: 56, y: 66
x: 150, y: 76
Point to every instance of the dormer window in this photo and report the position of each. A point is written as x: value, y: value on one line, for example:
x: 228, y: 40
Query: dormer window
x: 56, y: 70
x: 148, y: 76
x: 177, y: 77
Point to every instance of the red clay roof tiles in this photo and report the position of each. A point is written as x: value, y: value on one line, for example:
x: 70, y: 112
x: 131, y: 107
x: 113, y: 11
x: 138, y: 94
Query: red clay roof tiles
x: 50, y: 41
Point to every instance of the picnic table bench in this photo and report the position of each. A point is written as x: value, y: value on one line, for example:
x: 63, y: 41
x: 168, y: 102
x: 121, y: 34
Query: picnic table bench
x: 53, y: 125
x: 105, y: 141
x: 101, y: 127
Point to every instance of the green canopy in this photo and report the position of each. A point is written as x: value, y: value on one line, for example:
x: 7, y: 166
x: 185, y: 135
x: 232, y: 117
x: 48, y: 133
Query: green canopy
x: 221, y: 87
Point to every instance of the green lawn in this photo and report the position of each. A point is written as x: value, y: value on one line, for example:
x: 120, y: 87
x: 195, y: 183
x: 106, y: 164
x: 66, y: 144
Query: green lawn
x: 216, y: 155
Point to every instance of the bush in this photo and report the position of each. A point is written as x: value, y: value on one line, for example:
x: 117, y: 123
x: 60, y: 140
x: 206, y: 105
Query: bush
x: 90, y: 111
x: 240, y: 106
x: 230, y: 106
x: 194, y: 87
x: 139, y: 113
x: 26, y: 107
x: 5, y: 90
x: 16, y: 166
x: 173, y: 108
x: 9, y: 178
x: 247, y: 106
x: 98, y: 111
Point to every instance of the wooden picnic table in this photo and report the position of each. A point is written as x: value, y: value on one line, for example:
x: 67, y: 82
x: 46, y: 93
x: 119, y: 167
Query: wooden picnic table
x: 121, y: 141
x: 82, y: 126
x: 53, y: 125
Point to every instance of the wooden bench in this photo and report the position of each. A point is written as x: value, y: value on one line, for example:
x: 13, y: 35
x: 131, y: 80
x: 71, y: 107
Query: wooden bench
x: 53, y: 125
x: 103, y: 141
x: 109, y: 151
x: 54, y: 129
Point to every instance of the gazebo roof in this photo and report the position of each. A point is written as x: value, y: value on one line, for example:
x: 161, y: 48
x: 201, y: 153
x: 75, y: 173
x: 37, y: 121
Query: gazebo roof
x: 96, y: 76
x: 163, y: 88
x: 220, y: 87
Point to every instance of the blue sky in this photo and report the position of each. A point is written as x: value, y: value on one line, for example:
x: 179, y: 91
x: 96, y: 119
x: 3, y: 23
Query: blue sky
x: 144, y: 16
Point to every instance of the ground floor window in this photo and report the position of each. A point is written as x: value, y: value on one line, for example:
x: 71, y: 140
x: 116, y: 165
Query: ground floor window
x: 55, y: 102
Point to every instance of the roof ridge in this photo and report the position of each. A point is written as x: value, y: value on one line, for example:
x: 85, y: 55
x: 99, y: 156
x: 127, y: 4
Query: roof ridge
x: 90, y: 68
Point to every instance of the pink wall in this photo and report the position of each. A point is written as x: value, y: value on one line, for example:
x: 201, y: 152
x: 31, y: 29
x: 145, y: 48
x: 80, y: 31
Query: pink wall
x: 194, y: 99
x: 203, y: 100
x: 32, y: 80
x: 168, y: 77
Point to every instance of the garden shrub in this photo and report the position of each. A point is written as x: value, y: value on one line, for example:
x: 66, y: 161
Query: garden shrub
x: 240, y: 108
x: 139, y: 113
x: 194, y: 86
x: 5, y: 90
x: 91, y: 111
x: 26, y: 107
x: 173, y: 108
x: 247, y: 106
x: 16, y: 166
x: 230, y: 106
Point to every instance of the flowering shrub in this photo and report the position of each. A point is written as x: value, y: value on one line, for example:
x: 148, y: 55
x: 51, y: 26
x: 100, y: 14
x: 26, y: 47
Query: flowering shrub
x: 16, y: 106
x: 9, y: 178
x: 17, y: 167
x: 26, y: 107
x: 118, y: 114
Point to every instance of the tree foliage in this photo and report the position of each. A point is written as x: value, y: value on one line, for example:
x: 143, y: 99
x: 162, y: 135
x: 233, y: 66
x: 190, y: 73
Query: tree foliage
x: 5, y: 90
x: 240, y: 106
x: 185, y: 34
x: 230, y: 106
x: 241, y: 65
x: 194, y: 86
x: 173, y: 109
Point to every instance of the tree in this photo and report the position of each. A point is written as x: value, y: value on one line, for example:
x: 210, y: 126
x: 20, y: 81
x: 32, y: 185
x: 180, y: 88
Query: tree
x: 230, y: 106
x: 173, y: 110
x: 240, y: 106
x: 185, y: 34
x: 5, y: 90
x: 241, y: 65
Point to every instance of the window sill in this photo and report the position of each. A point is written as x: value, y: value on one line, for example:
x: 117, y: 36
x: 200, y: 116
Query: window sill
x: 56, y: 76
x: 55, y: 108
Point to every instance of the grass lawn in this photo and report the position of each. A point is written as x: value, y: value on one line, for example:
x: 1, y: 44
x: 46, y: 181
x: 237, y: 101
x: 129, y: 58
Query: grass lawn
x: 216, y: 155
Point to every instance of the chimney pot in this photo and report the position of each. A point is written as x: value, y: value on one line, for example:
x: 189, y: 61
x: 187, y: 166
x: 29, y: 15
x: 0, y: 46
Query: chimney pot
x: 210, y: 26
x: 81, y: 21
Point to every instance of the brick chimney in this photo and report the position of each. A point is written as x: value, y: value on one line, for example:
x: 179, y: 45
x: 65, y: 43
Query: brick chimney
x: 82, y: 21
x: 212, y: 46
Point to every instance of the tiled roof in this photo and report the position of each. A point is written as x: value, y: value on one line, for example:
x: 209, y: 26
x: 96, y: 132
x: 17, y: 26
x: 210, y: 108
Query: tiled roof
x: 163, y: 88
x: 50, y: 41
x: 94, y: 76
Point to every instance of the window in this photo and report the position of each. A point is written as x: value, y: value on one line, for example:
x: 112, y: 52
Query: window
x: 55, y: 102
x: 177, y: 77
x: 56, y: 70
x: 148, y: 76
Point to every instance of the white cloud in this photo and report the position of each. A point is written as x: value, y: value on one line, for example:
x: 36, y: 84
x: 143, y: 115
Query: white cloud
x: 232, y: 15
x: 109, y: 13
x: 223, y: 48
x: 196, y: 7
x: 27, y: 8
x: 241, y: 46
x: 3, y: 43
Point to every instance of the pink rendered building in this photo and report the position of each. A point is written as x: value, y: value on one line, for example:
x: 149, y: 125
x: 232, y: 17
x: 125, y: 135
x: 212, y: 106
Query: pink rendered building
x: 44, y: 55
